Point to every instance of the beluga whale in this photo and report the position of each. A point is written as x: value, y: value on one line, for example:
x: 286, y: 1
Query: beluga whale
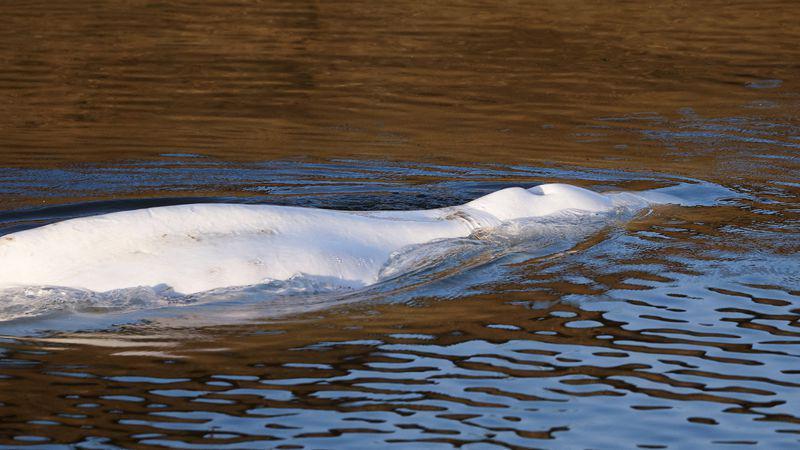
x: 194, y: 248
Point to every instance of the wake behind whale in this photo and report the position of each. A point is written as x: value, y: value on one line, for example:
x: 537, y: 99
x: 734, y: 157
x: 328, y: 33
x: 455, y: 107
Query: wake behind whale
x: 177, y: 253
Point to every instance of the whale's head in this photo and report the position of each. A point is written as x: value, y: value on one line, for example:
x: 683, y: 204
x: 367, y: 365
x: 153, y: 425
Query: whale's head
x: 543, y: 200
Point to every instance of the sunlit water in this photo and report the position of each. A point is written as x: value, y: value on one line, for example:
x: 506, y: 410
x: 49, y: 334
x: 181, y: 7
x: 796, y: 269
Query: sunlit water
x: 674, y: 327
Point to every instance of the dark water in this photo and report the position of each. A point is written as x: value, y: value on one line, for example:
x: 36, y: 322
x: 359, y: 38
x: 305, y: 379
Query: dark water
x: 678, y: 328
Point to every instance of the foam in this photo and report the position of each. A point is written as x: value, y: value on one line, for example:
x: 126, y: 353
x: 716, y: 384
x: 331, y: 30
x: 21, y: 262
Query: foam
x: 199, y: 247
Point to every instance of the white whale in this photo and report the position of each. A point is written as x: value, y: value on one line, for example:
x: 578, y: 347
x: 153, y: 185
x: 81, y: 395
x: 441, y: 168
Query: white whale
x: 199, y: 247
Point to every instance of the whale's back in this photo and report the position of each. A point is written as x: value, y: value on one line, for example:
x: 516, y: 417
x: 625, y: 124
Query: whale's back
x: 194, y: 248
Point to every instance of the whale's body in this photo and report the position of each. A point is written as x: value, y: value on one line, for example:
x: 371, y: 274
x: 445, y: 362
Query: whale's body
x: 199, y: 247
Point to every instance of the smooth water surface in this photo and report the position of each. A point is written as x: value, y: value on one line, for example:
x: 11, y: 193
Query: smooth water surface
x: 676, y: 327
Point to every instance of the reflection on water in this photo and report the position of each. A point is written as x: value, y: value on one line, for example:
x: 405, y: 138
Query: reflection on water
x: 511, y: 368
x: 677, y: 329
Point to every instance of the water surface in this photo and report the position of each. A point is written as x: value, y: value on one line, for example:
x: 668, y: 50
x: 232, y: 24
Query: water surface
x: 676, y: 328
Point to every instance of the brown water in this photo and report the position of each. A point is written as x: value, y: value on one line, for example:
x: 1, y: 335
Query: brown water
x: 677, y: 329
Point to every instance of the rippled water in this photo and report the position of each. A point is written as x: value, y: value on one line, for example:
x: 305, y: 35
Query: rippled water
x: 676, y: 328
